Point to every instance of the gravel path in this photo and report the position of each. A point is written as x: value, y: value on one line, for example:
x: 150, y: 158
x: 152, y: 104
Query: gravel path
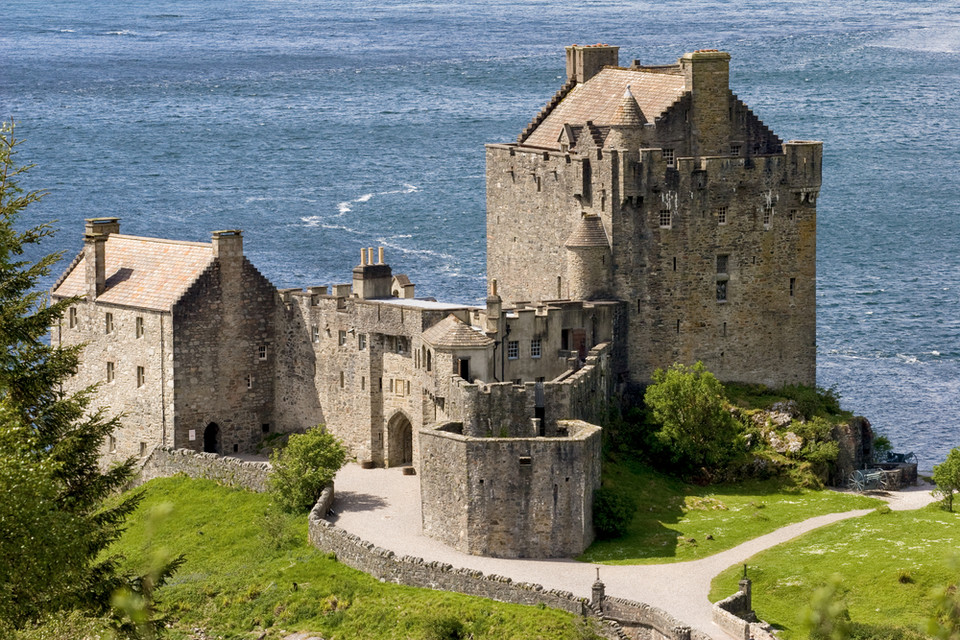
x: 383, y: 507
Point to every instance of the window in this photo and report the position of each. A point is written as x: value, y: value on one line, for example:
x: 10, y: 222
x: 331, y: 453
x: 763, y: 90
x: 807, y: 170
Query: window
x: 668, y: 157
x: 362, y: 341
x: 249, y: 382
x: 262, y: 352
x: 722, y: 263
x: 735, y: 150
x: 793, y: 286
x: 535, y: 348
x: 141, y: 376
x: 341, y: 379
x: 109, y: 322
x: 73, y: 317
x: 429, y: 359
x: 112, y: 444
x: 767, y: 215
x: 398, y: 387
x: 341, y: 337
x: 143, y: 449
x: 316, y: 334
x: 139, y: 327
x: 721, y: 215
x: 401, y: 345
x: 513, y: 349
x: 665, y: 218
x: 363, y: 383
x: 265, y: 427
x: 792, y: 215
x: 110, y: 371
x: 721, y: 290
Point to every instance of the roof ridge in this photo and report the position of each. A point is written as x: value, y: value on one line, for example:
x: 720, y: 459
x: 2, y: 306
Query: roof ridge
x: 547, y: 110
x: 190, y: 243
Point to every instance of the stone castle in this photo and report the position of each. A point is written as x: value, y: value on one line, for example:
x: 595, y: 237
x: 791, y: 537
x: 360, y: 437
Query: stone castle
x: 644, y: 217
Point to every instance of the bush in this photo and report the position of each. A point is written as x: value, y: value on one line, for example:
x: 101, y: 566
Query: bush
x: 445, y: 628
x: 304, y: 467
x: 689, y: 404
x: 946, y: 476
x: 613, y: 511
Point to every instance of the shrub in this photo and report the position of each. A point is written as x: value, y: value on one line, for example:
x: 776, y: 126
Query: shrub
x: 613, y: 511
x: 946, y: 476
x: 304, y: 467
x: 445, y: 628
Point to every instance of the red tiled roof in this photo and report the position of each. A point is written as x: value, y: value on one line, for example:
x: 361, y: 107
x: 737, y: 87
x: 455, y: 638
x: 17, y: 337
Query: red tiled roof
x: 598, y: 99
x: 150, y: 273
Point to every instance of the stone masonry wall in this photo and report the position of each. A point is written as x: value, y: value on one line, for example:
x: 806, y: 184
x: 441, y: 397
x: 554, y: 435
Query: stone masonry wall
x: 522, y: 497
x: 165, y: 462
x: 222, y: 375
x: 148, y: 407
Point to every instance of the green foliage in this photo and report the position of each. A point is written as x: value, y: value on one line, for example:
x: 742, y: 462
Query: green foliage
x: 304, y: 467
x: 232, y: 585
x: 811, y: 402
x: 613, y: 511
x: 689, y: 404
x: 946, y: 476
x: 54, y: 525
x: 944, y: 624
x: 445, y: 628
x: 826, y: 617
x: 881, y: 447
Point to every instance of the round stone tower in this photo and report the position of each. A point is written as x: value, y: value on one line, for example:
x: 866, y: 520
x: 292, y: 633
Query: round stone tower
x: 588, y: 260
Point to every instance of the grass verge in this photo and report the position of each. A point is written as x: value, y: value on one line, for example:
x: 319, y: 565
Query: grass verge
x: 888, y: 563
x: 676, y: 521
x: 250, y: 569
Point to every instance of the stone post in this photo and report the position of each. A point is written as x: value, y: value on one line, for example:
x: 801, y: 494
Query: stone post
x: 597, y: 593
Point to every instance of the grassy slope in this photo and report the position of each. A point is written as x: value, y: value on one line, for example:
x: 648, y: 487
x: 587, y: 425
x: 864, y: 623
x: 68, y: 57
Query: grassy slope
x: 869, y: 553
x: 235, y: 580
x: 671, y: 513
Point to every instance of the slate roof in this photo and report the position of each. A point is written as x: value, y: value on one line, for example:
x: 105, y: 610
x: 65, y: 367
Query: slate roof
x: 589, y: 233
x: 149, y: 273
x: 599, y: 98
x: 454, y: 333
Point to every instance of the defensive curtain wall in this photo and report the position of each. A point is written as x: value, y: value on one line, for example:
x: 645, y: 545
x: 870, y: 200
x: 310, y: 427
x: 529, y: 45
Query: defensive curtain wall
x: 621, y: 619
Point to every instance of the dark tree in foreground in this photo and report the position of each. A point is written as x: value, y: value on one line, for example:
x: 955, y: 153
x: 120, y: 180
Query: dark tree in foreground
x: 55, y: 521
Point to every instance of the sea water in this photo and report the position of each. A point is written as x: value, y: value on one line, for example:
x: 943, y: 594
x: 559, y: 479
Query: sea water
x: 322, y: 127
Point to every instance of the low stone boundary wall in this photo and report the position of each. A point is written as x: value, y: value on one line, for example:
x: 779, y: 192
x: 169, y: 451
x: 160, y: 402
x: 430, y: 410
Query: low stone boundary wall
x: 164, y: 462
x: 383, y: 564
x: 734, y: 615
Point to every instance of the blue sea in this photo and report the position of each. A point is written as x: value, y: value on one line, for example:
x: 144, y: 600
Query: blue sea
x: 322, y: 127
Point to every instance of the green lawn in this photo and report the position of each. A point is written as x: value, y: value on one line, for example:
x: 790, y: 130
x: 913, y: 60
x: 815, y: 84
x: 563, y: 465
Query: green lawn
x: 871, y: 554
x: 244, y: 573
x: 674, y: 519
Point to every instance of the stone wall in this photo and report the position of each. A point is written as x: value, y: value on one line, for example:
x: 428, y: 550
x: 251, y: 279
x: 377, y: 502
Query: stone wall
x: 641, y: 621
x: 526, y: 497
x: 165, y: 462
x: 225, y: 358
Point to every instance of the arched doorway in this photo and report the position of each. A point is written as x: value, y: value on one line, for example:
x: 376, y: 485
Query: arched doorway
x: 211, y: 438
x: 399, y: 441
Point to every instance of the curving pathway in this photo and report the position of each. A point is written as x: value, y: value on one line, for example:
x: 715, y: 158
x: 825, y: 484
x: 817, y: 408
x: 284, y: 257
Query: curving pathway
x: 382, y: 506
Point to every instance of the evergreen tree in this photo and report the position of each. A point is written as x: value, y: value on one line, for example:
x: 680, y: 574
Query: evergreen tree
x: 54, y: 521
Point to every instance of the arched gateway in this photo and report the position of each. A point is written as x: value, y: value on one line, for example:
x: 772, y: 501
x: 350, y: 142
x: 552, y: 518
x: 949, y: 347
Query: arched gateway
x: 399, y: 441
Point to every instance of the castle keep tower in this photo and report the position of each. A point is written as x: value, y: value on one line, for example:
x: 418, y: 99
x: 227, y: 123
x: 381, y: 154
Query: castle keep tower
x: 656, y: 186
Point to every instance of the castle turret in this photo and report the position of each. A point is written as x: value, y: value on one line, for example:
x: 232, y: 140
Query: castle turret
x: 588, y: 260
x: 627, y: 126
x: 372, y: 279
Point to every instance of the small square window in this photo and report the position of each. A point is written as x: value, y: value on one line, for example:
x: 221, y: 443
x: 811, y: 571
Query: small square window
x: 362, y: 341
x: 513, y: 349
x: 668, y: 157
x: 735, y: 150
x: 141, y: 376
x: 262, y: 352
x: 109, y: 322
x: 341, y: 337
x: 110, y: 371
x: 265, y: 427
x: 535, y: 348
x: 722, y: 263
x: 73, y: 317
x: 666, y: 219
x: 721, y: 215
x: 138, y: 324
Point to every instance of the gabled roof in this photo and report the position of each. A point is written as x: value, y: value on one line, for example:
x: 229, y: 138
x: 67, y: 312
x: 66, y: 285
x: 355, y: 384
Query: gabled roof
x: 149, y: 273
x: 454, y: 333
x: 599, y: 98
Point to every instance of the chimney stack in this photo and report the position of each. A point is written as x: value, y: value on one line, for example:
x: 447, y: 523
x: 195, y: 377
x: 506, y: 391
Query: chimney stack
x: 584, y: 62
x: 706, y: 75
x: 372, y: 279
x: 95, y: 234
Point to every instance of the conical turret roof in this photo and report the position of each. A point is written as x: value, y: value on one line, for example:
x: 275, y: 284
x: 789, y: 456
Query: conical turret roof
x: 589, y: 233
x: 628, y: 112
x: 454, y: 333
